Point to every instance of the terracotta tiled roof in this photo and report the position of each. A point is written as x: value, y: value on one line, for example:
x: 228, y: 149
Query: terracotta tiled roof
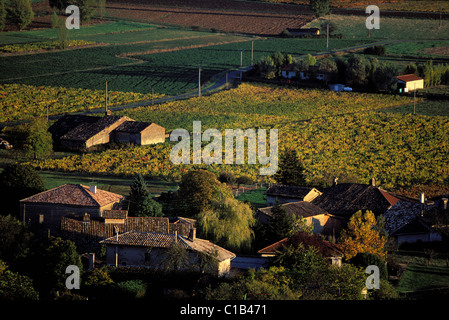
x: 76, y: 195
x: 408, y: 77
x: 165, y: 240
x: 347, y: 198
x: 325, y: 248
x: 115, y: 214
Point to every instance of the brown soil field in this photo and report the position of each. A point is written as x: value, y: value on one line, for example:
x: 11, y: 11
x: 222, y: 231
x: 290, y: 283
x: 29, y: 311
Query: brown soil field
x: 440, y: 51
x: 228, y: 16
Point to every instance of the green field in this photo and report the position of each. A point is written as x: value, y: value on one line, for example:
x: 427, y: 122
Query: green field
x: 422, y: 277
x: 353, y: 27
x: 133, y: 57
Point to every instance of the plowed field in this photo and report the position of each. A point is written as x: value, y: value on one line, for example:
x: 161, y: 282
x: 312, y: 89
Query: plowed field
x: 229, y: 16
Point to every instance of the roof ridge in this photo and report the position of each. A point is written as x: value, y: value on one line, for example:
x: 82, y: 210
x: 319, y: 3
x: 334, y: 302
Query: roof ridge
x: 34, y: 195
x: 87, y: 192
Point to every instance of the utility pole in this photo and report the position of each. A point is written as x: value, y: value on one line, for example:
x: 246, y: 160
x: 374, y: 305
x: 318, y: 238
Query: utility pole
x: 106, y: 99
x: 199, y: 81
x: 414, y: 100
x: 241, y: 58
x: 327, y: 36
x: 440, y: 15
x: 252, y: 52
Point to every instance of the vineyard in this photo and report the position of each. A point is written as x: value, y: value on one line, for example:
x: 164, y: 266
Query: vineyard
x: 336, y: 134
x: 22, y: 102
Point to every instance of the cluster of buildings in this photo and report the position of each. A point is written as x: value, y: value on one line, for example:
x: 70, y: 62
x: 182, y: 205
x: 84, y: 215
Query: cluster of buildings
x: 328, y: 211
x: 92, y: 218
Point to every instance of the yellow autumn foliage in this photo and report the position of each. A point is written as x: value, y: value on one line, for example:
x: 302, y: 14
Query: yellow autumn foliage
x: 361, y: 236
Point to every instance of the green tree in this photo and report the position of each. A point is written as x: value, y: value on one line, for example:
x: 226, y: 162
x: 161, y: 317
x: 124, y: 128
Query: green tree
x: 291, y: 171
x: 20, y: 13
x: 3, y: 14
x: 227, y: 221
x: 332, y: 27
x: 141, y: 203
x: 18, y: 181
x: 54, y: 20
x: 14, y: 286
x: 38, y: 142
x: 176, y: 258
x: 356, y: 70
x: 14, y: 239
x: 364, y: 259
x: 49, y: 259
x: 385, y: 77
x: 266, y: 68
x: 87, y: 9
x: 320, y: 7
x: 59, y: 4
x: 196, y: 191
x: 101, y: 8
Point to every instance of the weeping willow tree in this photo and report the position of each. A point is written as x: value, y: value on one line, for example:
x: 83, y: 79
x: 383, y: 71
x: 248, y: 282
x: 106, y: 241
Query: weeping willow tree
x: 227, y: 222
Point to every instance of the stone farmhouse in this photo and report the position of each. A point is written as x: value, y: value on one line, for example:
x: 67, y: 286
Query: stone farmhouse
x: 150, y: 249
x: 46, y: 209
x: 79, y: 132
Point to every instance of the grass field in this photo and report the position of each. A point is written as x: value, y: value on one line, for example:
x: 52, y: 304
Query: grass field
x: 256, y: 197
x: 422, y: 277
x: 353, y: 27
x: 114, y: 184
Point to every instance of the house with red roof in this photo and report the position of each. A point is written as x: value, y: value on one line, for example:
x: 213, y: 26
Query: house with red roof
x: 331, y: 251
x: 47, y: 208
x: 410, y: 82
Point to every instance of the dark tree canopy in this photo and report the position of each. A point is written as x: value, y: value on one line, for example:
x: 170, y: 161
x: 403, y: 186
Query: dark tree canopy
x: 291, y: 171
x: 141, y: 203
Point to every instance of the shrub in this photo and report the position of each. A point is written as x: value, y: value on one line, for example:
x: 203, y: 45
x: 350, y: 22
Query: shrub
x: 131, y: 289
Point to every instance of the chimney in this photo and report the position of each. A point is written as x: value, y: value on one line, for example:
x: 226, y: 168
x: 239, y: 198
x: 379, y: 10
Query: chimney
x: 444, y: 203
x: 373, y: 182
x: 93, y: 189
x: 335, y: 181
x: 422, y: 199
x: 192, y: 234
x: 91, y: 260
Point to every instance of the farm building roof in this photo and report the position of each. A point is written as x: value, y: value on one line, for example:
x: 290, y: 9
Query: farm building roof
x: 132, y: 126
x: 166, y: 240
x: 408, y: 77
x: 75, y: 195
x: 288, y: 191
x: 300, y: 208
x: 67, y: 123
x: 325, y: 248
x: 86, y: 130
x: 347, y: 198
